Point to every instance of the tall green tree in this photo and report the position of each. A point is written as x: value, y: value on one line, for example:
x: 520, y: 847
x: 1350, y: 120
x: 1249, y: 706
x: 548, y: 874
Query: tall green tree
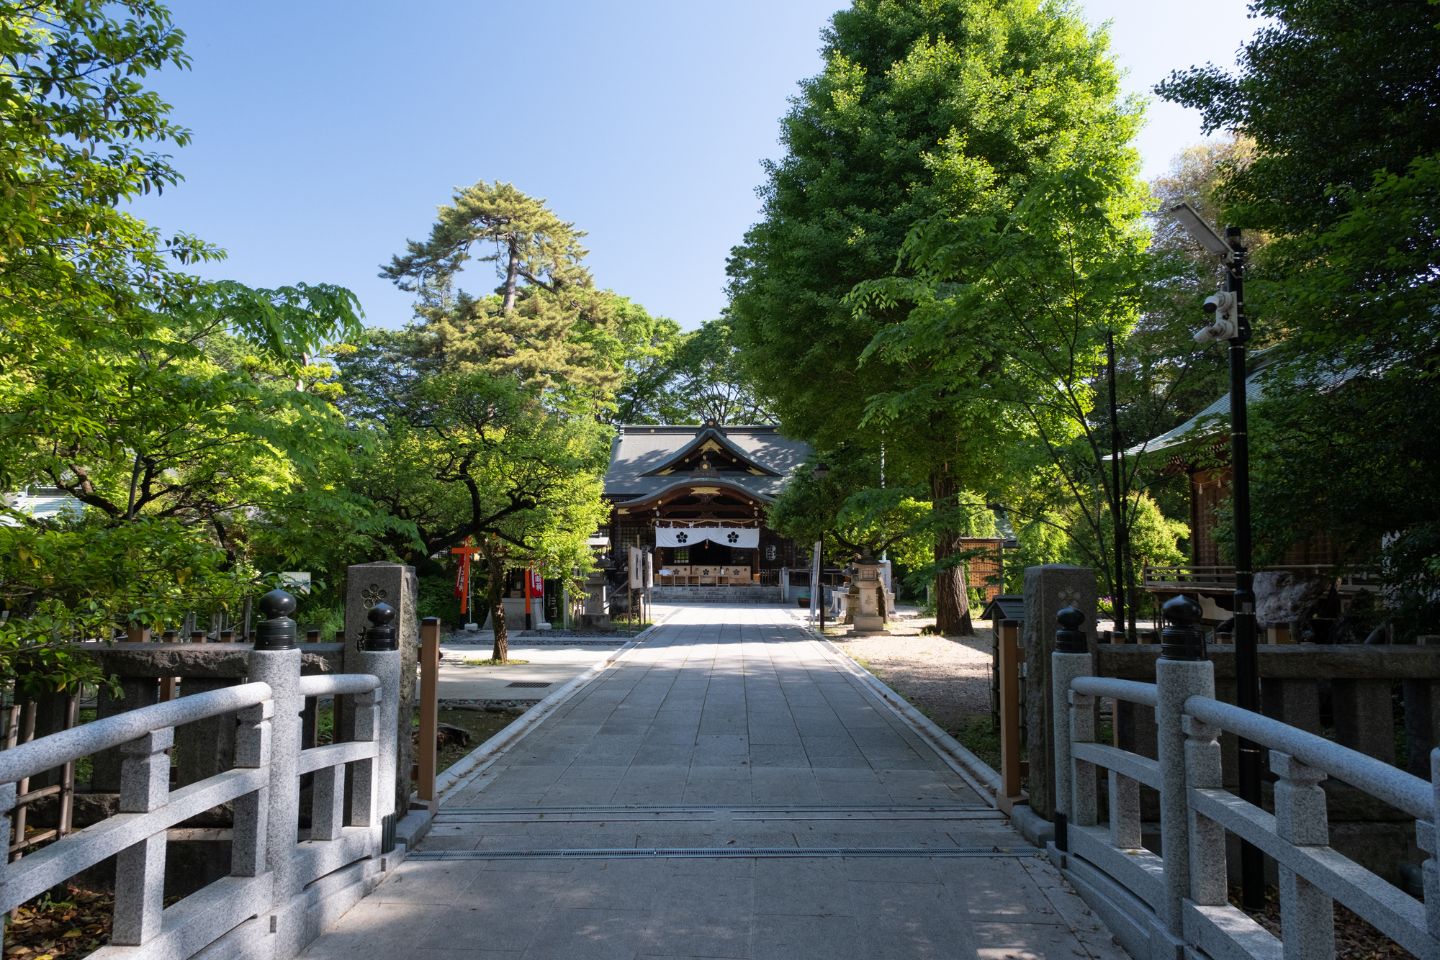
x: 463, y: 454
x: 969, y: 159
x: 694, y: 377
x: 1339, y: 100
x: 174, y: 409
x: 544, y: 323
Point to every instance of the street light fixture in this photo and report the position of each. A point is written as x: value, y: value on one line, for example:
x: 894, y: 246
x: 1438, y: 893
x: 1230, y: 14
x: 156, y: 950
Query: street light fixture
x: 1227, y: 307
x: 818, y: 474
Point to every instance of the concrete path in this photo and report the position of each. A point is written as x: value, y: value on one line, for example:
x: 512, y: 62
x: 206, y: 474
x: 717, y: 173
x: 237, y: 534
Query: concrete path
x: 549, y: 667
x: 724, y: 790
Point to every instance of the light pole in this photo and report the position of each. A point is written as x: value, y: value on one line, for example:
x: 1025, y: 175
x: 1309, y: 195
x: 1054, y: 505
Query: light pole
x: 818, y: 475
x: 1227, y: 308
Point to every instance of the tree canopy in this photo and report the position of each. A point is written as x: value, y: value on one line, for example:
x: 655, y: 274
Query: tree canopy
x: 950, y: 231
x: 1339, y: 103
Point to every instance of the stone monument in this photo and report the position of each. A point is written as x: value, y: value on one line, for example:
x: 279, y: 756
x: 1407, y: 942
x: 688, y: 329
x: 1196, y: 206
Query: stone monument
x: 367, y: 584
x: 873, y: 600
x: 1047, y: 590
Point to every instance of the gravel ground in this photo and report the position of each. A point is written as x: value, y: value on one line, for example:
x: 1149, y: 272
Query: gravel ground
x: 946, y: 678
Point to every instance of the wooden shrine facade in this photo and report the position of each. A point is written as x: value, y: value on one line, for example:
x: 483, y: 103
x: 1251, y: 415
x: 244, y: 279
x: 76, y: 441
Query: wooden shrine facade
x: 697, y: 496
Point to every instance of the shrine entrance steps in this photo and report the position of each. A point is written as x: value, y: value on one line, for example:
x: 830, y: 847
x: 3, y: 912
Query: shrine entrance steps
x: 682, y: 595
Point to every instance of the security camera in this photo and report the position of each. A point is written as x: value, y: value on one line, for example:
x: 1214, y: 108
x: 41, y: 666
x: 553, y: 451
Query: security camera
x: 1225, y: 309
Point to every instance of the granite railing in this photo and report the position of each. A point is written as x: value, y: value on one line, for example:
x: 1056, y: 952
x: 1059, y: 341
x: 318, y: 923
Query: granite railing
x: 284, y: 882
x: 1176, y: 902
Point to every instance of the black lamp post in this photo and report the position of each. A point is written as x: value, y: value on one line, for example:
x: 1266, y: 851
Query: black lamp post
x: 1227, y: 308
x: 819, y: 474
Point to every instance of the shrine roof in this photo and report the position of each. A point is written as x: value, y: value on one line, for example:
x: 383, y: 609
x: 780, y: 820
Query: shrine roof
x: 645, y: 459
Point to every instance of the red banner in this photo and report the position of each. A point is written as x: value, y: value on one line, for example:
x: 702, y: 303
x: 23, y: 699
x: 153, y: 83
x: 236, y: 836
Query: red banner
x: 463, y: 555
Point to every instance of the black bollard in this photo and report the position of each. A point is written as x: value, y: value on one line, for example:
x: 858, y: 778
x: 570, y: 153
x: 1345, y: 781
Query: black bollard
x: 277, y: 630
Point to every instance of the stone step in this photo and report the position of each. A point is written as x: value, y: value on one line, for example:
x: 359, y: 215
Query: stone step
x: 684, y: 594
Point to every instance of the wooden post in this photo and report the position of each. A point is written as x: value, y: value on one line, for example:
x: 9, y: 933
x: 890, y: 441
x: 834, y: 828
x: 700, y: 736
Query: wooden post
x: 1009, y: 663
x: 429, y: 708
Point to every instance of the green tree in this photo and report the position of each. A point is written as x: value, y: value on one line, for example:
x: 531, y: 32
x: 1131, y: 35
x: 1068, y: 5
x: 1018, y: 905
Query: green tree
x: 174, y: 409
x: 650, y: 344
x: 1345, y: 177
x: 694, y: 377
x: 970, y: 160
x: 545, y: 323
x: 462, y: 453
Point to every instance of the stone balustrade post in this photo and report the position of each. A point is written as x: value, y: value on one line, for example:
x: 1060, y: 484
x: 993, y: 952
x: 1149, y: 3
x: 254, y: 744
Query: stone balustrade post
x: 252, y: 811
x: 140, y: 868
x: 8, y: 793
x: 1427, y: 837
x: 1307, y: 915
x: 1083, y: 806
x: 1204, y: 770
x: 275, y: 660
x: 1181, y: 672
x: 380, y: 656
x: 1071, y: 659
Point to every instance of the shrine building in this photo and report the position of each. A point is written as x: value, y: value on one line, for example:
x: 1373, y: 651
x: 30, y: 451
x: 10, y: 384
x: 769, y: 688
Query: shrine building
x: 697, y: 496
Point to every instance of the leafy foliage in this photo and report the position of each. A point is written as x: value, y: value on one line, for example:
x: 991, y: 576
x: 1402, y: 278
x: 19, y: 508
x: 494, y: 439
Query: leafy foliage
x: 176, y: 410
x: 694, y: 377
x: 1345, y: 177
x: 953, y: 229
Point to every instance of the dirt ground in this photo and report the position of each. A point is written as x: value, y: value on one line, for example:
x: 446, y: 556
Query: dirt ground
x: 945, y: 678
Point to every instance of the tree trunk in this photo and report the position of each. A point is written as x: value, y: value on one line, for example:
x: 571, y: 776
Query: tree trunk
x: 512, y: 278
x: 495, y: 594
x: 952, y: 597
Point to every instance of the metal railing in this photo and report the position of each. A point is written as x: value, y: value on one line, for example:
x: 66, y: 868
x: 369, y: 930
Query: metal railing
x: 1184, y: 889
x: 279, y: 875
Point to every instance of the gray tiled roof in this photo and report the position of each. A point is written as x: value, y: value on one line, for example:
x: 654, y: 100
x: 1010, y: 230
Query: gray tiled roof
x: 641, y: 448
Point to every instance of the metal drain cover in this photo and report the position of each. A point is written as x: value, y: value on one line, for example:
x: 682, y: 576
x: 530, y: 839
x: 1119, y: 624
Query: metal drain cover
x: 732, y: 853
x: 529, y: 684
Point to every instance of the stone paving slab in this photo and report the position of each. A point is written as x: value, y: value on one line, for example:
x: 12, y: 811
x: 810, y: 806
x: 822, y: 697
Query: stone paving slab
x: 634, y: 824
x: 551, y: 664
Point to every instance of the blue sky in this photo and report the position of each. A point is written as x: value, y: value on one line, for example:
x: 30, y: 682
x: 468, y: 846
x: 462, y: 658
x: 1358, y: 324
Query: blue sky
x: 328, y: 131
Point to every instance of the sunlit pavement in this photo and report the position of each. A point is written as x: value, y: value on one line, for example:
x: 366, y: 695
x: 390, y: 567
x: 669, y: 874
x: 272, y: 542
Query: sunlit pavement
x: 724, y: 790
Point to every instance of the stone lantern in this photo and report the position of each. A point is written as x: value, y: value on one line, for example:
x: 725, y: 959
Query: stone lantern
x: 872, y: 603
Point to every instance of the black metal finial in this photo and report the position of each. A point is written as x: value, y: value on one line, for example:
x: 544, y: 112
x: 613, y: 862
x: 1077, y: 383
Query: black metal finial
x: 1182, y: 638
x: 380, y: 635
x: 277, y: 630
x: 1070, y: 638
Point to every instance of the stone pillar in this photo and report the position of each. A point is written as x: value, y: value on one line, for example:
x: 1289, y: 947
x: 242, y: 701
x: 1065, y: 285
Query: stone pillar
x: 380, y: 658
x: 1307, y: 915
x: 1070, y: 660
x: 367, y: 584
x: 1048, y: 589
x: 1181, y: 672
x: 276, y: 661
x: 597, y: 603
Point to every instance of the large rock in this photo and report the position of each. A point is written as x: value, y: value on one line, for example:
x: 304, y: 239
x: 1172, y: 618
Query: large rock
x: 1283, y: 598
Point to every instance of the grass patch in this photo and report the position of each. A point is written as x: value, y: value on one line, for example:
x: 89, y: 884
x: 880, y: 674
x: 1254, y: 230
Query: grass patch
x: 492, y: 662
x: 976, y: 735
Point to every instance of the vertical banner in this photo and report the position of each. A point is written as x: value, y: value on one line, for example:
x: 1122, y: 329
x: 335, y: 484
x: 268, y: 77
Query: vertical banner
x: 463, y: 554
x: 637, y: 568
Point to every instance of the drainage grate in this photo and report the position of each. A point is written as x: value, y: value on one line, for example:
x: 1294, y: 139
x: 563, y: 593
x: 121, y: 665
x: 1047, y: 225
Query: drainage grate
x: 601, y: 809
x: 729, y: 853
x: 529, y: 684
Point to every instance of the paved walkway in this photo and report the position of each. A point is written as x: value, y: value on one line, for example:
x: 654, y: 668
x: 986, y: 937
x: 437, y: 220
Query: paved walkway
x: 550, y: 666
x: 725, y: 790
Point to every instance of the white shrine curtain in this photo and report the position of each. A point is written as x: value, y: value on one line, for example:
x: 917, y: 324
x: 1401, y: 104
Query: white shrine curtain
x: 746, y: 538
